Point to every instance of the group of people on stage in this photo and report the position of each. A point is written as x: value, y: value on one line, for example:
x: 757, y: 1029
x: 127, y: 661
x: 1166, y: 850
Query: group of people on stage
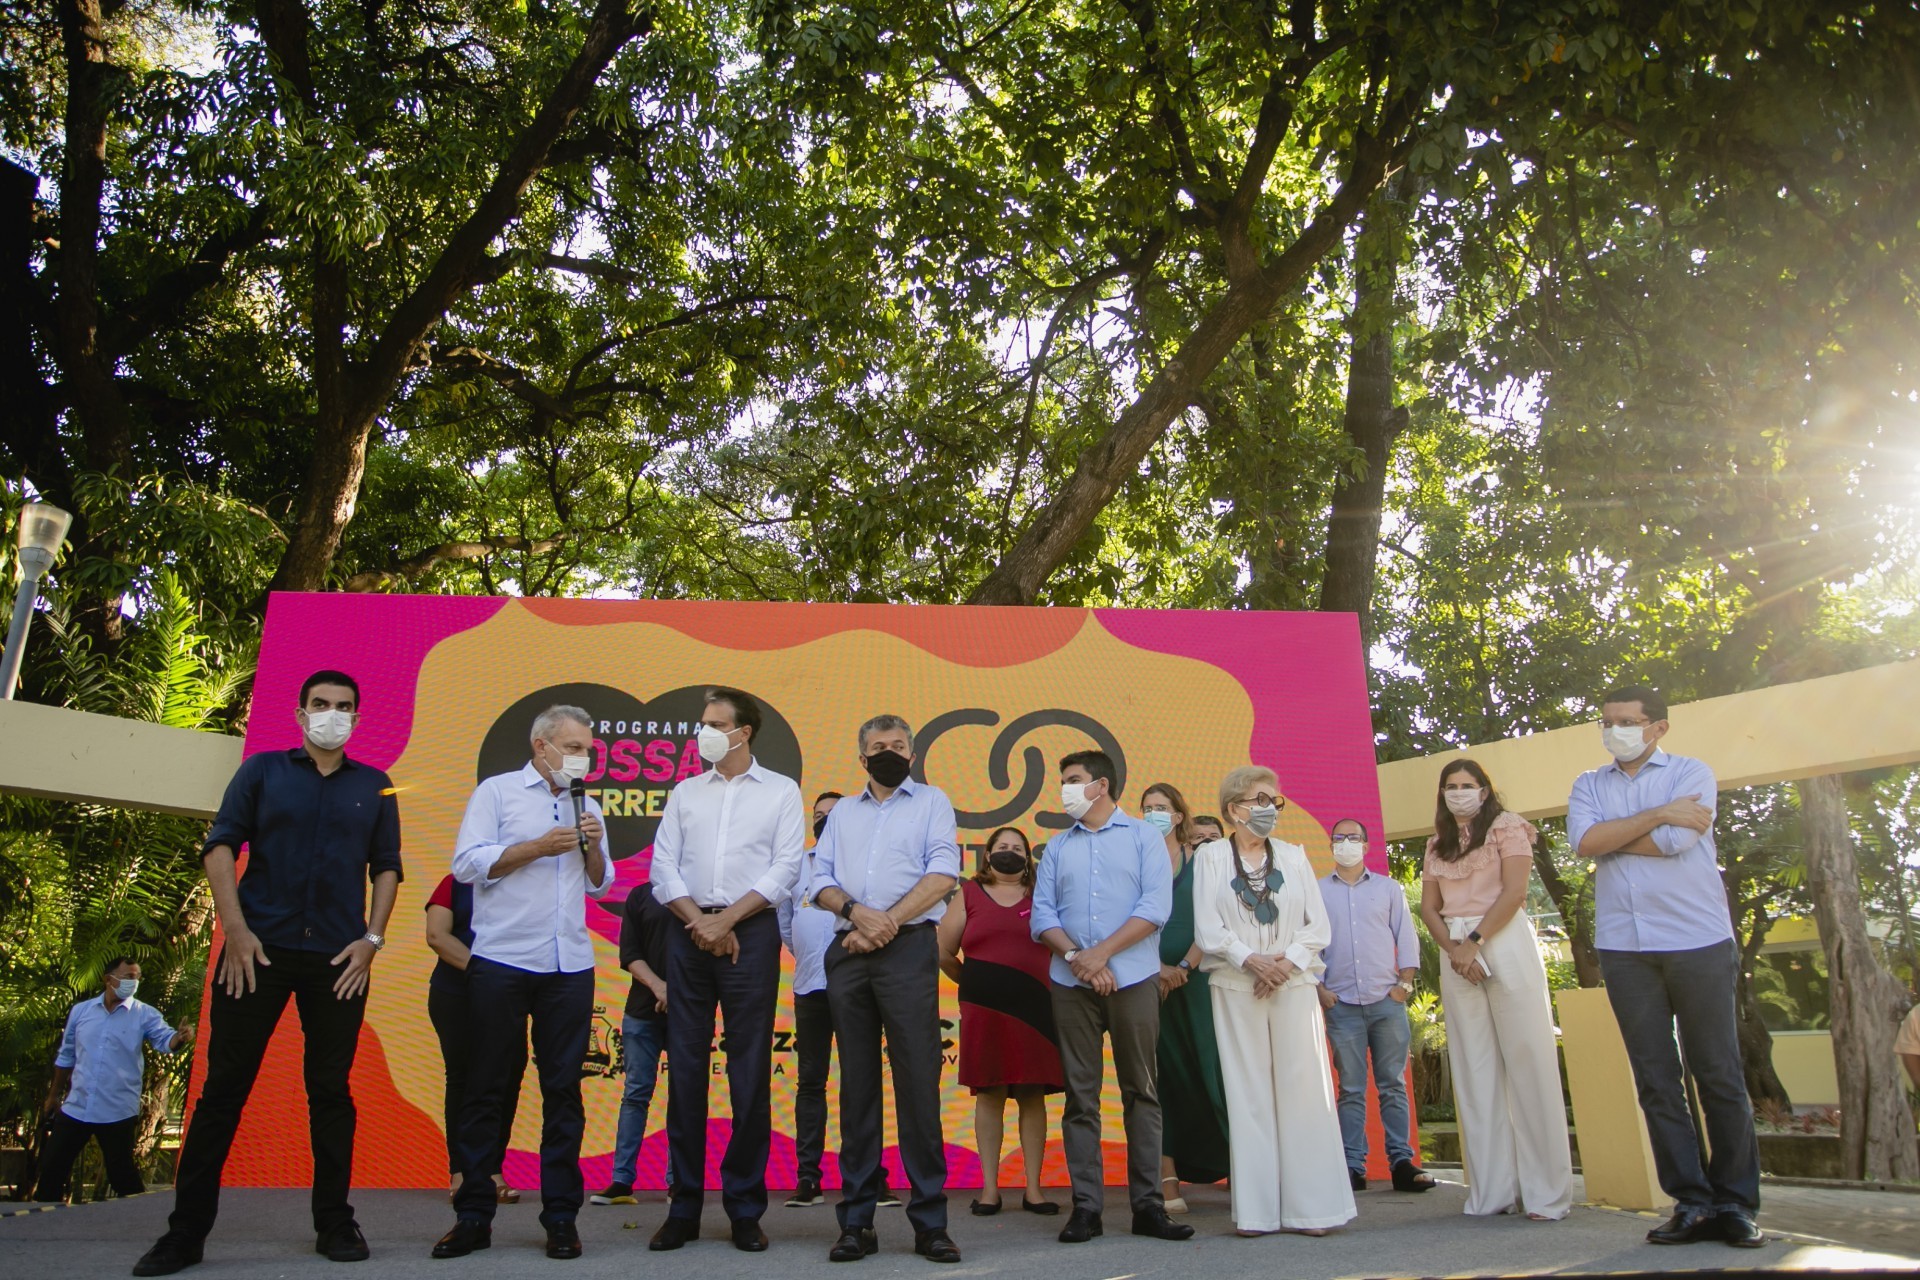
x: 1218, y: 971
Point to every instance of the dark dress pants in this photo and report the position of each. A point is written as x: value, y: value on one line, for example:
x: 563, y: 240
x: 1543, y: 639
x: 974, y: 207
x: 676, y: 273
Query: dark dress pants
x: 745, y: 990
x: 1650, y: 992
x: 813, y: 1046
x: 895, y: 991
x: 501, y: 1002
x: 449, y: 1010
x: 69, y: 1139
x: 239, y: 1029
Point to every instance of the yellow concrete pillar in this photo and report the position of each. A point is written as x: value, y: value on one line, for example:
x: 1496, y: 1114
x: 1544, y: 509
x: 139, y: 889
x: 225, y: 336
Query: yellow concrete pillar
x: 1615, y: 1156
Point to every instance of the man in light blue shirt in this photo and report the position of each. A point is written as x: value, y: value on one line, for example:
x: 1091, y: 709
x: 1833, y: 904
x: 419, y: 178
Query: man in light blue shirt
x: 1372, y: 959
x: 99, y: 1069
x: 534, y: 848
x: 1667, y: 949
x: 886, y: 861
x: 1100, y: 898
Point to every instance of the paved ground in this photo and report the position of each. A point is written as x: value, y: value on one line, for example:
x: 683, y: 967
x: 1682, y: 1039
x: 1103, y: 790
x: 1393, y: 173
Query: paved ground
x: 262, y: 1234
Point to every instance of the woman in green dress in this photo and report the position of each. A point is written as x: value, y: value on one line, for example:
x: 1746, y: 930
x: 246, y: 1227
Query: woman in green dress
x: 1193, y: 1102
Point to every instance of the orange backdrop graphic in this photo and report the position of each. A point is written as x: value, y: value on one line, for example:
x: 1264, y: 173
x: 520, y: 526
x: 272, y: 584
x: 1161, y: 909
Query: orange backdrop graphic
x: 997, y: 695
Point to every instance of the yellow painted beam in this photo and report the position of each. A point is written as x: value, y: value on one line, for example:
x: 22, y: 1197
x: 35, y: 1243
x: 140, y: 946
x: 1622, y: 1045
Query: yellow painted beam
x: 1836, y: 724
x: 78, y: 756
x: 1616, y: 1157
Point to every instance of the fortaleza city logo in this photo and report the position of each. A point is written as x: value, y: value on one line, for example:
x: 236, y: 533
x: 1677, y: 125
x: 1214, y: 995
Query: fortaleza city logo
x: 641, y: 750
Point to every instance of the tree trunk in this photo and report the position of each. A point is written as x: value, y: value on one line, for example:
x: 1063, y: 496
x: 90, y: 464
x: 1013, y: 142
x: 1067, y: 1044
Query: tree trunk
x: 1574, y: 913
x: 1876, y: 1124
x: 1056, y: 528
x: 29, y: 431
x: 1373, y: 421
x: 1764, y: 1085
x: 346, y: 418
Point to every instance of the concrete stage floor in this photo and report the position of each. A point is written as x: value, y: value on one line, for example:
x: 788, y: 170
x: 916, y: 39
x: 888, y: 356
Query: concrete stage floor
x: 265, y: 1234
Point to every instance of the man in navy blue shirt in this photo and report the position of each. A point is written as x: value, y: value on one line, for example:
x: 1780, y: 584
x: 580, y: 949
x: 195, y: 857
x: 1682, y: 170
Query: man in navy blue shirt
x: 318, y: 826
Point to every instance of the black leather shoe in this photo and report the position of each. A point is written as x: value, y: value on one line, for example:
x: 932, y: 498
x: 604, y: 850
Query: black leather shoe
x: 170, y: 1253
x: 854, y: 1245
x: 936, y: 1246
x: 563, y: 1239
x: 673, y: 1233
x: 748, y: 1237
x: 1738, y: 1229
x: 1688, y: 1225
x: 1156, y: 1223
x: 469, y: 1235
x: 343, y: 1243
x: 1357, y: 1180
x: 1082, y: 1226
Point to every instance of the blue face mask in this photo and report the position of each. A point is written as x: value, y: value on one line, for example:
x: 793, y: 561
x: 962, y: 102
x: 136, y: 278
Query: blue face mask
x: 1159, y: 819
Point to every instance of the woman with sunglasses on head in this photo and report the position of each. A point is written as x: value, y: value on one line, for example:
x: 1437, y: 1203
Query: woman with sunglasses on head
x: 1260, y: 920
x: 1493, y: 990
x: 1193, y: 1101
x: 1006, y: 1014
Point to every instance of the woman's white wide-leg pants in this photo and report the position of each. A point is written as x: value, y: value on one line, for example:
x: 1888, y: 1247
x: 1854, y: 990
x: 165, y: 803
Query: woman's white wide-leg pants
x: 1288, y: 1163
x: 1506, y: 1080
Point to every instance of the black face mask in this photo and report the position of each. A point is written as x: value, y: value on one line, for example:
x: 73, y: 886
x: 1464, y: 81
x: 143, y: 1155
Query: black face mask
x: 888, y: 768
x: 819, y: 825
x: 1008, y: 862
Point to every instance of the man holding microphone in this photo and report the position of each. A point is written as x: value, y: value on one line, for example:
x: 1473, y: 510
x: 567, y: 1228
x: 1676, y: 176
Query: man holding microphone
x: 533, y: 853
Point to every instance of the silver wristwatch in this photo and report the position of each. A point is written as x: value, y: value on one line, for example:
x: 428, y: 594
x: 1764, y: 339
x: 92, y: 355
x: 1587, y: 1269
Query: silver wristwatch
x: 1068, y: 957
x: 379, y: 942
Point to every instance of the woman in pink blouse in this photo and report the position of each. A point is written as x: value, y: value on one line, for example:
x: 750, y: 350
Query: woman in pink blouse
x: 1493, y: 988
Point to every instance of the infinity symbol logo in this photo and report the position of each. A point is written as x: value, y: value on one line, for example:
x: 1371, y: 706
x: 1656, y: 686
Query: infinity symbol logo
x: 999, y: 759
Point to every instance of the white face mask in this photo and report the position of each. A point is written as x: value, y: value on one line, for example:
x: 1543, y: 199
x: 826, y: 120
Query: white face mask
x: 1073, y: 799
x: 1624, y: 742
x: 329, y: 730
x: 571, y: 768
x: 1160, y: 820
x: 1464, y: 804
x: 126, y: 988
x: 1349, y: 852
x: 715, y: 743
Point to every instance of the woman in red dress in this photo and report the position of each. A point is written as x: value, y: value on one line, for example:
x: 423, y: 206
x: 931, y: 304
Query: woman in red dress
x: 1006, y: 1013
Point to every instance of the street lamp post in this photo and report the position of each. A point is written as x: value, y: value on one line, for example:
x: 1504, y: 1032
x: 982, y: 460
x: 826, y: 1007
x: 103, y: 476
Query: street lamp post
x: 42, y: 529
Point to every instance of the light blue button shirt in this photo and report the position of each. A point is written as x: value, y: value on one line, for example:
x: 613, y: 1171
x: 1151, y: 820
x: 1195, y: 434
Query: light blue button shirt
x: 1373, y: 937
x: 875, y: 851
x: 1092, y: 882
x: 533, y: 918
x: 807, y: 931
x: 1646, y: 903
x: 103, y: 1051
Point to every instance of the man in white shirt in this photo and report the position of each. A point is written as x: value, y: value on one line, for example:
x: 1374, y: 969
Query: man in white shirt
x: 729, y: 847
x: 533, y: 850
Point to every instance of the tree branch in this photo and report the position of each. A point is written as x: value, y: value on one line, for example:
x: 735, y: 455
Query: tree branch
x: 416, y: 567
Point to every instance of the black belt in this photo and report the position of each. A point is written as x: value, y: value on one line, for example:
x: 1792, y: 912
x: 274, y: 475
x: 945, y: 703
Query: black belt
x: 714, y: 911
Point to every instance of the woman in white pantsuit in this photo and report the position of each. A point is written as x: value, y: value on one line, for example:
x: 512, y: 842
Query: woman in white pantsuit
x: 1493, y: 988
x: 1259, y: 919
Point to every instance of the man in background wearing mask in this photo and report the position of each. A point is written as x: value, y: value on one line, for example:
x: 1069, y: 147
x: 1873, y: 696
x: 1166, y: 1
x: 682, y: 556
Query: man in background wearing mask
x: 1667, y: 949
x: 1372, y: 963
x: 532, y: 858
x: 807, y: 931
x: 1204, y: 829
x: 318, y: 826
x: 1100, y: 898
x: 96, y: 1081
x: 888, y: 858
x: 729, y: 846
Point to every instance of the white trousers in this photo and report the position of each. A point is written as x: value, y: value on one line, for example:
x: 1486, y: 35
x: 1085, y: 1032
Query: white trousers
x: 1506, y: 1080
x: 1289, y: 1165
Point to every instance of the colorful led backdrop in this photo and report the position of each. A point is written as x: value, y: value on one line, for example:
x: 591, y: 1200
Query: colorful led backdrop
x: 449, y: 687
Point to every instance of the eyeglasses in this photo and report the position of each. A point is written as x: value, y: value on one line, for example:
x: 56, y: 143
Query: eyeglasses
x: 1263, y: 800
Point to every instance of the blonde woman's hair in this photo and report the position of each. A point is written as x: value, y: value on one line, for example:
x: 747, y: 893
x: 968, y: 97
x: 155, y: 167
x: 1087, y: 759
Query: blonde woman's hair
x: 1238, y: 780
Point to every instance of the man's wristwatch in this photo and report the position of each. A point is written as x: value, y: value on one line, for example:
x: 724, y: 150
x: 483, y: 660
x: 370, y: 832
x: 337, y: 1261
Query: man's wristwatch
x: 379, y: 942
x: 846, y: 909
x: 1068, y: 956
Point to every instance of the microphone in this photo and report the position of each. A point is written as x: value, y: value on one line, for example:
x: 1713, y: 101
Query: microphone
x: 577, y: 789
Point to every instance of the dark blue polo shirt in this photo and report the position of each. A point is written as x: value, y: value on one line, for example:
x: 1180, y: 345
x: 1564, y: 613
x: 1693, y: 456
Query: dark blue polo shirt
x: 313, y: 844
